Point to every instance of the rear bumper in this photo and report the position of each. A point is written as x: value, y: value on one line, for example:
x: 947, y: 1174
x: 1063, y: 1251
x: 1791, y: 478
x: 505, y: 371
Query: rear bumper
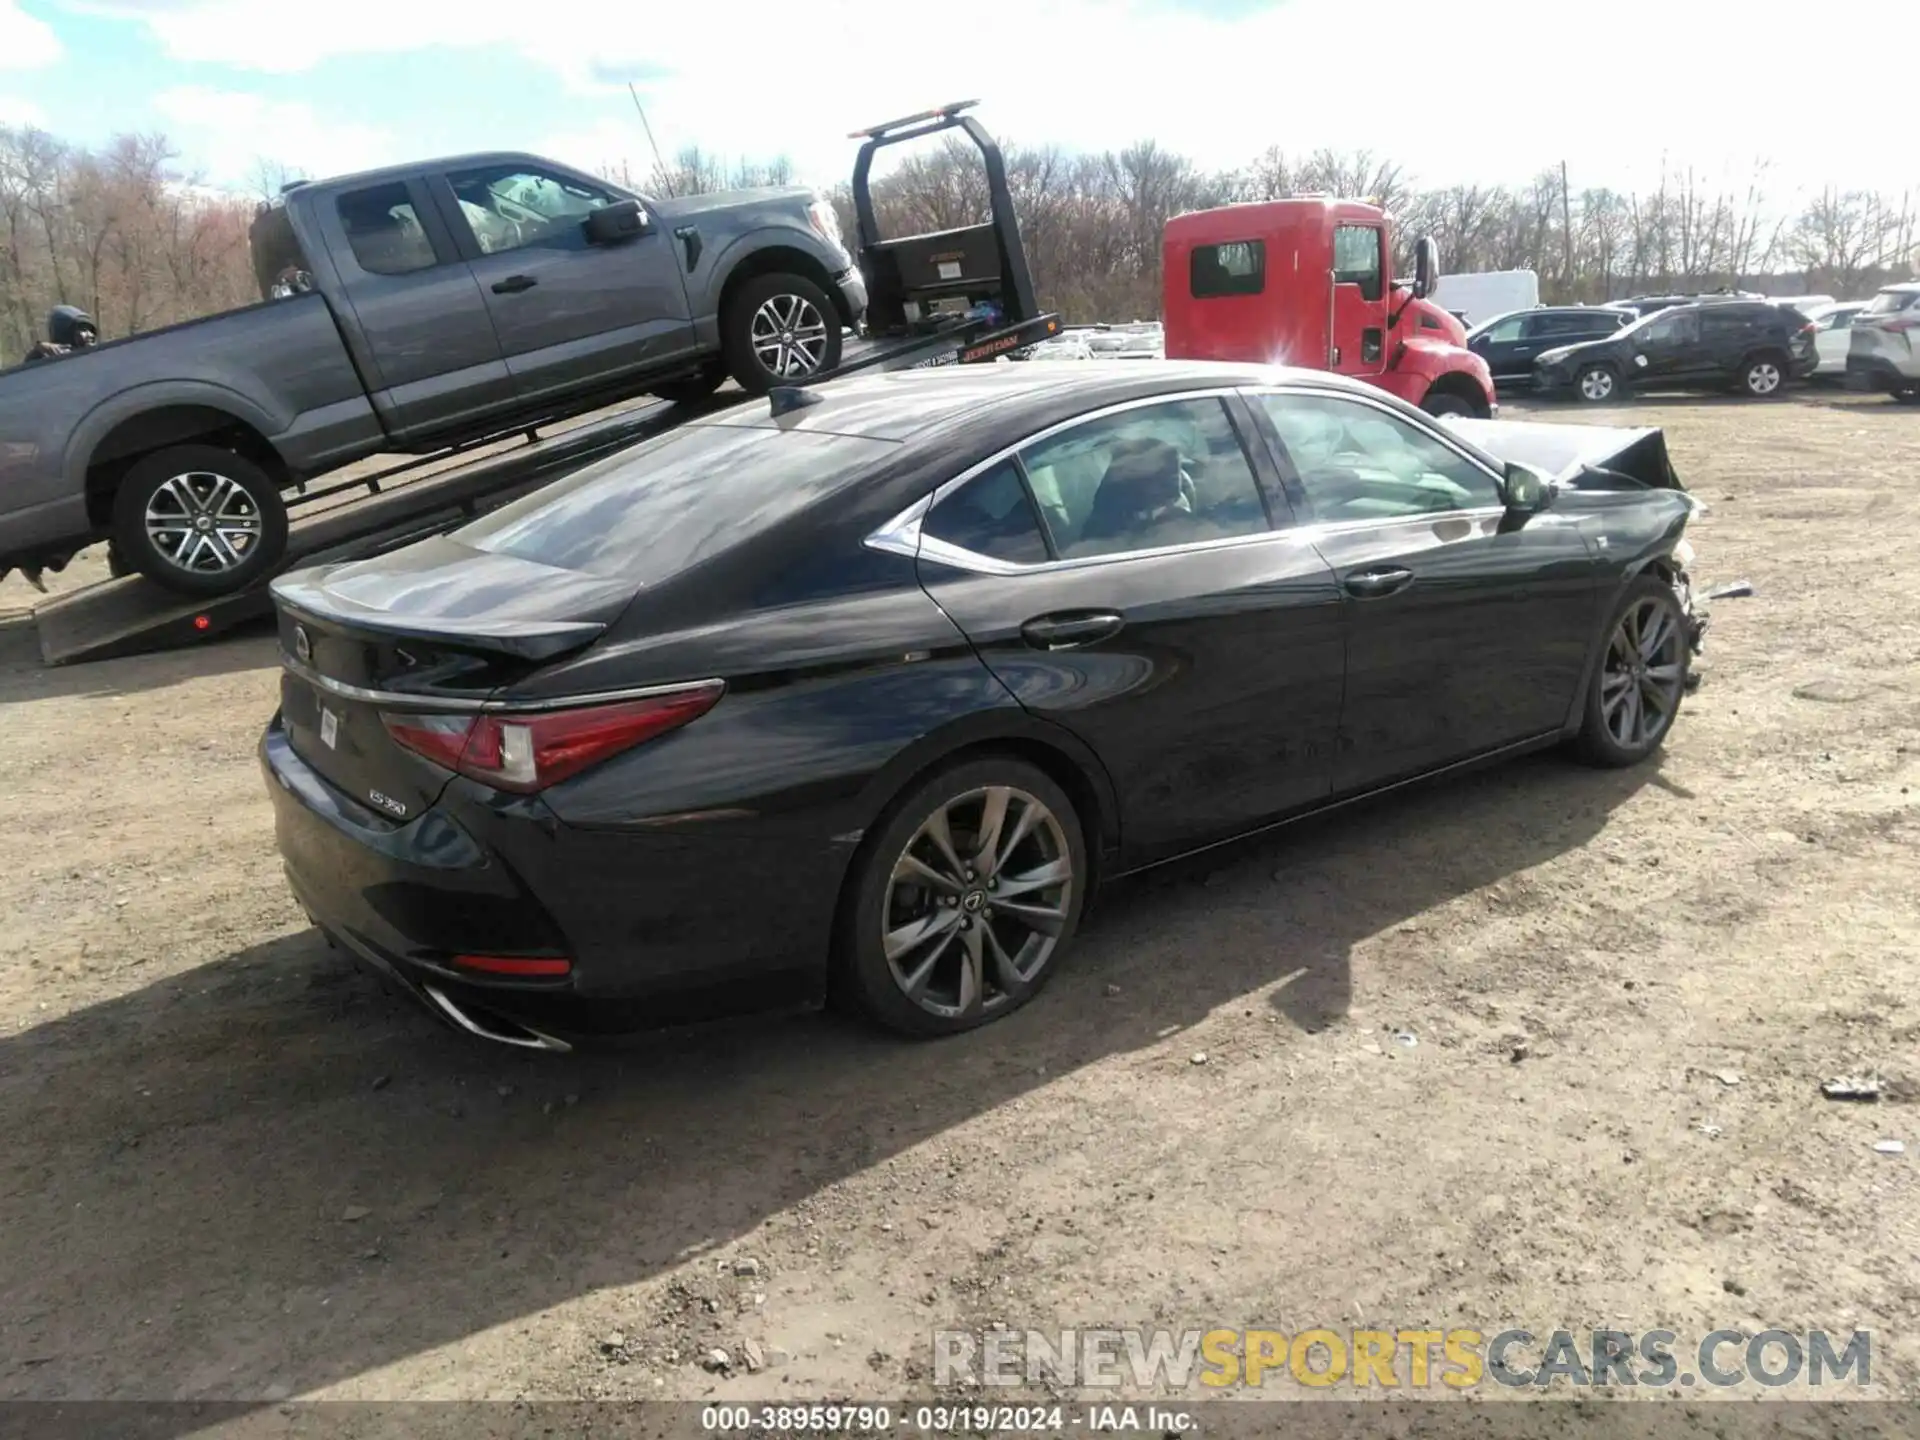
x: 655, y: 925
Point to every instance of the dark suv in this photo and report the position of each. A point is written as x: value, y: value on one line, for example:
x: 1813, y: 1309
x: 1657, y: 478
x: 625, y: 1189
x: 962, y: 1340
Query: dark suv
x: 1509, y: 342
x: 1751, y: 347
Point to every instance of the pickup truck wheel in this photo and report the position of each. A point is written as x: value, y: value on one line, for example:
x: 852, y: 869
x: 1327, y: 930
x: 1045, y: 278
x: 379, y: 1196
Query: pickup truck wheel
x: 779, y: 329
x: 199, y: 520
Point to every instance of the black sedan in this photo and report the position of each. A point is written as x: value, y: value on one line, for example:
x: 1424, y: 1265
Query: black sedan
x: 859, y: 692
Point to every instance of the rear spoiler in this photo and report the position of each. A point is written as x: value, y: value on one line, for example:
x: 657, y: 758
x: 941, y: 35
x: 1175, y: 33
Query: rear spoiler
x: 302, y: 595
x: 1587, y: 457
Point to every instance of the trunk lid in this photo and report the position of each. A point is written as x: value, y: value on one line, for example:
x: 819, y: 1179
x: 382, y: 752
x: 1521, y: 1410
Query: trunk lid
x: 433, y: 629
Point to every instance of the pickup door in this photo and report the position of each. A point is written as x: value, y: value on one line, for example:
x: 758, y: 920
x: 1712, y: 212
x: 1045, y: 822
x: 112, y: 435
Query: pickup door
x: 571, y: 316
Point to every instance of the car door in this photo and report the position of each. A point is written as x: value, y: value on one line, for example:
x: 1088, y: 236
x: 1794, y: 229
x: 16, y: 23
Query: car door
x: 1834, y: 335
x: 1467, y: 627
x: 572, y: 316
x: 419, y: 327
x: 1727, y: 332
x: 1666, y: 350
x: 1501, y: 346
x: 1359, y: 334
x: 1127, y: 577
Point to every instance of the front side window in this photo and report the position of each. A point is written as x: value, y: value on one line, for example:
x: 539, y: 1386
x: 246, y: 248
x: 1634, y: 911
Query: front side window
x: 384, y: 230
x: 1146, y: 478
x: 1357, y: 462
x: 1506, y: 330
x: 1670, y: 327
x: 1238, y: 267
x: 1890, y: 302
x: 1356, y: 259
x: 512, y: 207
x: 1837, y: 320
x: 990, y: 515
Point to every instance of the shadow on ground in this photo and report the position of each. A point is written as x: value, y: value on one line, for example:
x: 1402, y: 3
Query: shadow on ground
x: 192, y: 1151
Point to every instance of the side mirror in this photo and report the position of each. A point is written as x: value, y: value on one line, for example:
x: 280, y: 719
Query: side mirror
x: 612, y: 224
x: 1426, y: 266
x: 1527, y: 490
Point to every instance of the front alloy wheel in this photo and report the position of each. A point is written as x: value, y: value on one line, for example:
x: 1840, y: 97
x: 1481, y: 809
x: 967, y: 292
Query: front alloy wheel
x: 1643, y: 673
x: 968, y: 895
x: 789, y: 336
x: 1597, y: 384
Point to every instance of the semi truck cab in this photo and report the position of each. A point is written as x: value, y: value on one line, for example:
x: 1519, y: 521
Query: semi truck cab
x: 1308, y: 281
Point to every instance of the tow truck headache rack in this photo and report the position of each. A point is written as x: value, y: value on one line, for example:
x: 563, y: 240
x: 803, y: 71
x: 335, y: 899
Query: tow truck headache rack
x: 954, y: 297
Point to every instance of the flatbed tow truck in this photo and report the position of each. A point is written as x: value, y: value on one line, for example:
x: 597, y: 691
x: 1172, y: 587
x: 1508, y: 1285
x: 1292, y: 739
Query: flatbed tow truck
x: 961, y: 296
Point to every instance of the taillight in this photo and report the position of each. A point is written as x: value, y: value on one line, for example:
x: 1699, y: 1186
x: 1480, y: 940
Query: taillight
x: 1901, y: 323
x: 525, y: 751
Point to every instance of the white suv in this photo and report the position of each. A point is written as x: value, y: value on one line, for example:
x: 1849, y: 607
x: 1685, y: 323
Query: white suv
x: 1882, y: 354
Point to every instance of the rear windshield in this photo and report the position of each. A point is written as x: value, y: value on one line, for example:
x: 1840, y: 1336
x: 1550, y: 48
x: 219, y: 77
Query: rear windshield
x: 649, y: 513
x: 1891, y: 302
x: 279, y: 267
x: 1239, y: 267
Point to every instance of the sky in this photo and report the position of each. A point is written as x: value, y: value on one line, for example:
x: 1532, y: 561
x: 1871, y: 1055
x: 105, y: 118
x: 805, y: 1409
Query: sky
x: 1473, y: 92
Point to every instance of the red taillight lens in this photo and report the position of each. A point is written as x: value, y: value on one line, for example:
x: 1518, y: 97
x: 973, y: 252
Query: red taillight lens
x: 524, y: 966
x: 528, y: 751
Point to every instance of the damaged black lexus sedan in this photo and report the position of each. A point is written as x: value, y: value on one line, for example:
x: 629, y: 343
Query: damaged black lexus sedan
x: 860, y: 692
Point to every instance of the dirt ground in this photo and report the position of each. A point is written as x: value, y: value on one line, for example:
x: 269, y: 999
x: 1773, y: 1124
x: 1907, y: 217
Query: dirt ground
x: 234, y: 1167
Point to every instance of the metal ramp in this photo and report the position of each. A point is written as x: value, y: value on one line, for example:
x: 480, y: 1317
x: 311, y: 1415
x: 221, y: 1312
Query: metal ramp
x: 131, y: 614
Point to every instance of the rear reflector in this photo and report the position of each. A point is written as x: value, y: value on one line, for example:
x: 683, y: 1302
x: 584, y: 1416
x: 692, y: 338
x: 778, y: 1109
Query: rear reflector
x: 525, y: 751
x: 513, y: 965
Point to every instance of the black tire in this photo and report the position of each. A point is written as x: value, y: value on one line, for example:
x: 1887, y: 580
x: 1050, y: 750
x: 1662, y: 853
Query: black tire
x: 1447, y: 404
x: 117, y: 565
x: 737, y: 329
x: 1601, y: 741
x: 693, y: 388
x: 1599, y: 385
x: 1763, y: 377
x: 199, y: 469
x: 1907, y: 396
x: 864, y: 976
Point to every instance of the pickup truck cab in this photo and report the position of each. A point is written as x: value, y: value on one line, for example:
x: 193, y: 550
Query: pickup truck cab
x: 405, y: 310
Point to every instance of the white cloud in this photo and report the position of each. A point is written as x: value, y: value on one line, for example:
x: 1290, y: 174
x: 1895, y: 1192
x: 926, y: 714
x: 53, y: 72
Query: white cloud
x: 19, y: 112
x: 228, y: 135
x: 25, y: 43
x: 1482, y: 100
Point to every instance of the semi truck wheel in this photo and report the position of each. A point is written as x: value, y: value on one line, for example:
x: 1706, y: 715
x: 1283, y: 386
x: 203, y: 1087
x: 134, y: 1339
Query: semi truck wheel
x: 199, y: 520
x: 778, y: 330
x: 1444, y: 404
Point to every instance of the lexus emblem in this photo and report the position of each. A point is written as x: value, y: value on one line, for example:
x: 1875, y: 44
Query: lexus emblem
x: 302, y: 646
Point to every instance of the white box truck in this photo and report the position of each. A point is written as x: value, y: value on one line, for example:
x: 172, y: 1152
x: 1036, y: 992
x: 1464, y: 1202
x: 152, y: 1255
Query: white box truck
x: 1481, y: 296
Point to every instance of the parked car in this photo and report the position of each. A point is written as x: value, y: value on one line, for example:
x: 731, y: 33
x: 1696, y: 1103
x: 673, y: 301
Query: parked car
x: 1833, y: 334
x: 864, y: 697
x: 1508, y: 343
x: 1880, y: 353
x: 1749, y: 346
x: 403, y: 310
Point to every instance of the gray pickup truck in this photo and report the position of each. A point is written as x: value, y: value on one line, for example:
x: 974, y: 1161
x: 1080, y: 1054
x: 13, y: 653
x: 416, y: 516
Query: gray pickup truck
x: 404, y: 310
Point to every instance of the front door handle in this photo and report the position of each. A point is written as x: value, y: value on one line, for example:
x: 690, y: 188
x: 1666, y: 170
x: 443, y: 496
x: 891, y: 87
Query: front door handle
x: 1369, y: 584
x: 514, y: 284
x: 1065, y: 632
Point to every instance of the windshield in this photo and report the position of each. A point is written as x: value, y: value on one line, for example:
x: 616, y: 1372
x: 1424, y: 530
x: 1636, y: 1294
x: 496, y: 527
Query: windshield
x: 1890, y: 302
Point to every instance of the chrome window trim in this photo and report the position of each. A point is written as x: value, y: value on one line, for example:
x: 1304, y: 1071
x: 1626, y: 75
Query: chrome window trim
x: 904, y: 535
x: 462, y: 705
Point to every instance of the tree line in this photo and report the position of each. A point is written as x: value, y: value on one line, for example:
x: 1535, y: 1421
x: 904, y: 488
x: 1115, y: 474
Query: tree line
x: 121, y: 232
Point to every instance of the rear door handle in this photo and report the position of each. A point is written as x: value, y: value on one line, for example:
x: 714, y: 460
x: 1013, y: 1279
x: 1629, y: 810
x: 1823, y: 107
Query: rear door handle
x: 514, y: 284
x: 1064, y: 632
x: 1368, y: 584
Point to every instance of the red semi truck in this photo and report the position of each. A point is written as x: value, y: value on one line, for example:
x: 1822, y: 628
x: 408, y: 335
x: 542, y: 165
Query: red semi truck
x: 1309, y: 282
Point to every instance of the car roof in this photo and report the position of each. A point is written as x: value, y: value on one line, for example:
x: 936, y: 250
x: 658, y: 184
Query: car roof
x: 899, y: 405
x: 1903, y: 287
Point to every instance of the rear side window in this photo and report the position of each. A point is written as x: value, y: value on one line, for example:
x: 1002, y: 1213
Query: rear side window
x: 991, y: 515
x: 384, y: 230
x: 1238, y: 267
x: 1145, y: 479
x: 651, y: 512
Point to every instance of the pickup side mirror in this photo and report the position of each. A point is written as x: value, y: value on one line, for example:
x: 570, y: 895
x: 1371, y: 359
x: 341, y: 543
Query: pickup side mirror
x: 1526, y: 490
x: 613, y: 224
x: 1426, y: 266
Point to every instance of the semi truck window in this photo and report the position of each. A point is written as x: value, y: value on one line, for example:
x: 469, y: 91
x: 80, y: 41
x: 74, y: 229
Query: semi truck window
x: 1237, y: 267
x: 384, y: 231
x: 1356, y: 259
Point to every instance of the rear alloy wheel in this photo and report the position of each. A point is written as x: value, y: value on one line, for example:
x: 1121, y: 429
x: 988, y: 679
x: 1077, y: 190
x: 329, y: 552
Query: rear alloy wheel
x: 1763, y: 378
x: 779, y: 330
x: 1597, y: 384
x: 199, y: 520
x: 1642, y: 674
x: 967, y: 898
